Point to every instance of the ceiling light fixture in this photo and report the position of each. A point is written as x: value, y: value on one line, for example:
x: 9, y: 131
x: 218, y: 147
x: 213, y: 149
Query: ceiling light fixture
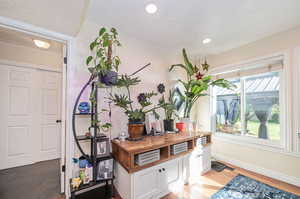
x: 206, y: 41
x: 151, y: 8
x: 41, y: 44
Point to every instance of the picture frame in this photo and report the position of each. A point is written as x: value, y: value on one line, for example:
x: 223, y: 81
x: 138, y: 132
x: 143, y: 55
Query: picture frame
x: 153, y: 126
x: 105, y: 169
x: 102, y: 147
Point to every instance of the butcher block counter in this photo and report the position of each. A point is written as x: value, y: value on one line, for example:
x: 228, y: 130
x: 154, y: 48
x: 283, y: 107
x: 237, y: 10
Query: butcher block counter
x: 124, y: 152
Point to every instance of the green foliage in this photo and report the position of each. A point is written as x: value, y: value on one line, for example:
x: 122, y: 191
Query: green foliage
x: 125, y: 102
x: 126, y: 81
x: 168, y: 106
x: 197, y: 82
x: 102, y: 60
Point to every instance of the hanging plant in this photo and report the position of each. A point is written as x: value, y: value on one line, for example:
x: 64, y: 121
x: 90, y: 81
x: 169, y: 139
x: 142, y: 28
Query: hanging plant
x: 102, y: 62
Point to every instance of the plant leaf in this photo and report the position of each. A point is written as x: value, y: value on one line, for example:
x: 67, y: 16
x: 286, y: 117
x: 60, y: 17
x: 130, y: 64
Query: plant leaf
x: 189, y: 67
x: 92, y: 45
x: 102, y: 30
x: 88, y: 60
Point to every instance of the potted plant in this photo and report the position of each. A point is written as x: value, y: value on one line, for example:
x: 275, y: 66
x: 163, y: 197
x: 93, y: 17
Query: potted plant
x: 102, y: 62
x: 136, y: 116
x: 196, y: 84
x: 168, y: 107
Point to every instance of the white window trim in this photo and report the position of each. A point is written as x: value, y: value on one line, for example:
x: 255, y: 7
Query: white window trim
x: 285, y: 144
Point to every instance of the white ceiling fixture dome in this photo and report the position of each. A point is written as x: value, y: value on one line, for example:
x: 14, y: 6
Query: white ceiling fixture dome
x: 151, y: 8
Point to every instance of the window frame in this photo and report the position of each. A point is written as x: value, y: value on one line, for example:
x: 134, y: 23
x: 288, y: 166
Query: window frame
x: 285, y: 142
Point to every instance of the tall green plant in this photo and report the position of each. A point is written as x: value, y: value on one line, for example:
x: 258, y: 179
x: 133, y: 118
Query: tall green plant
x: 167, y: 105
x: 197, y: 82
x: 102, y: 59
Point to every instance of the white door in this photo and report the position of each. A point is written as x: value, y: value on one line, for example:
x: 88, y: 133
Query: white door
x: 30, y: 105
x: 146, y: 183
x: 16, y: 116
x: 49, y: 115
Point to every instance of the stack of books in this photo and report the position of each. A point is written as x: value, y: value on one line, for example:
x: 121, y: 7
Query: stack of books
x: 179, y: 148
x: 148, y: 157
x: 201, y: 141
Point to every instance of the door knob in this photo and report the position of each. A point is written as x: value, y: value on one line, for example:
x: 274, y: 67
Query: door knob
x: 163, y: 169
x: 159, y: 170
x: 58, y: 121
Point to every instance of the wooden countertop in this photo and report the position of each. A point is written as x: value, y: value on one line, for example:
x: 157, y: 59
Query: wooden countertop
x: 153, y: 142
x: 125, y: 151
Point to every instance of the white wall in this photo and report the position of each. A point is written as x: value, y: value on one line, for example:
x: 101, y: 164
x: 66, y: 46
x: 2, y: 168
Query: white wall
x: 133, y: 55
x: 281, y: 164
x: 23, y: 54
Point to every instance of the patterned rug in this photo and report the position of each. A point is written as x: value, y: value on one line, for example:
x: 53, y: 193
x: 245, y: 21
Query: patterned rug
x: 242, y: 187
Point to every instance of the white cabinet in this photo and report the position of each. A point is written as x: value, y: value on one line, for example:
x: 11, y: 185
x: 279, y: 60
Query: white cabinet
x: 157, y: 181
x: 200, y: 161
x: 170, y: 174
x: 146, y: 183
x: 151, y: 183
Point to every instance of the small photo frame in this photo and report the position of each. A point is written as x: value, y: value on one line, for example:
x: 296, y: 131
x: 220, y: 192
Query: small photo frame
x: 105, y: 169
x: 102, y: 147
x: 153, y: 126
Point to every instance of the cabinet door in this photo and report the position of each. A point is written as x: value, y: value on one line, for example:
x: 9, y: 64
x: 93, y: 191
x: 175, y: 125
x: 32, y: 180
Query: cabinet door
x: 169, y: 176
x: 146, y: 183
x: 200, y: 162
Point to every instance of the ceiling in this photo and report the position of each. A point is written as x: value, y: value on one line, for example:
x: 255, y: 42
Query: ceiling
x: 179, y: 24
x: 23, y: 39
x: 63, y: 16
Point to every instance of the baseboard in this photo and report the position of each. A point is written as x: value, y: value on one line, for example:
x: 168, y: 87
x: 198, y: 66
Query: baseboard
x: 263, y: 171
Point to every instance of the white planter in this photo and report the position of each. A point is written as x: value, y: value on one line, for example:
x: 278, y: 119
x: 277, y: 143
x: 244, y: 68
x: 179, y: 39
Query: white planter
x: 188, y: 124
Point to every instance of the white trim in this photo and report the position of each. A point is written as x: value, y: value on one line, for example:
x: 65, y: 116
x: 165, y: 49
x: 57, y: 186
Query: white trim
x: 32, y: 29
x: 296, y: 96
x: 236, y: 66
x: 267, y: 172
x: 29, y: 65
x: 69, y: 41
x: 285, y: 108
x: 243, y: 142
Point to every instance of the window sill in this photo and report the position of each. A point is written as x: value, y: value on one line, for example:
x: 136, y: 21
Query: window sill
x: 242, y: 139
x: 261, y: 144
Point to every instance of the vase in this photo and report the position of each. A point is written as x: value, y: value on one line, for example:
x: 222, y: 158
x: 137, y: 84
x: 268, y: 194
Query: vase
x: 109, y: 79
x: 169, y: 125
x: 135, y: 130
x: 188, y: 124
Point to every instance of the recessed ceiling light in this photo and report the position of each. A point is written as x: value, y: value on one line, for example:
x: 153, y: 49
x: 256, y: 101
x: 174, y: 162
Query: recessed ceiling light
x: 41, y: 44
x: 151, y: 8
x: 206, y: 41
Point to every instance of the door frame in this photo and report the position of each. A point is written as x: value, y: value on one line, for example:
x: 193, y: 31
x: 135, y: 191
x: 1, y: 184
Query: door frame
x: 69, y: 42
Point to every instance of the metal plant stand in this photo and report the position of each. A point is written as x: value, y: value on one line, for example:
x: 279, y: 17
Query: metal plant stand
x: 93, y: 158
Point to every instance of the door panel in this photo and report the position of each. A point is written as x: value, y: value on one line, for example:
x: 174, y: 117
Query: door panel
x: 30, y: 105
x: 170, y: 175
x: 49, y: 112
x: 146, y: 183
x: 16, y: 116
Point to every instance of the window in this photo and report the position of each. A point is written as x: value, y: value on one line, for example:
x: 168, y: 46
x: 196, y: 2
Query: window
x: 253, y: 108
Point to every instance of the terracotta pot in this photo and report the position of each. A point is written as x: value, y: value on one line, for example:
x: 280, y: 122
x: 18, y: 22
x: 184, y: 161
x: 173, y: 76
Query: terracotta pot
x: 136, y: 130
x: 180, y: 126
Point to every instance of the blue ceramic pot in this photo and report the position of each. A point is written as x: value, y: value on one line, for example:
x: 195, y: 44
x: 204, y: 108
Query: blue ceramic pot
x: 110, y: 78
x: 84, y: 107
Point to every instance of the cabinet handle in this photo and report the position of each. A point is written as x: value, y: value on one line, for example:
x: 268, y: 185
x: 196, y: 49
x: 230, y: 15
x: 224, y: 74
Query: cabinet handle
x: 163, y: 169
x: 159, y: 170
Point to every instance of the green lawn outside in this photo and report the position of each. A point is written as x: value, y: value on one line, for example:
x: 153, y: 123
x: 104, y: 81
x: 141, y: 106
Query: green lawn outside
x: 273, y: 129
